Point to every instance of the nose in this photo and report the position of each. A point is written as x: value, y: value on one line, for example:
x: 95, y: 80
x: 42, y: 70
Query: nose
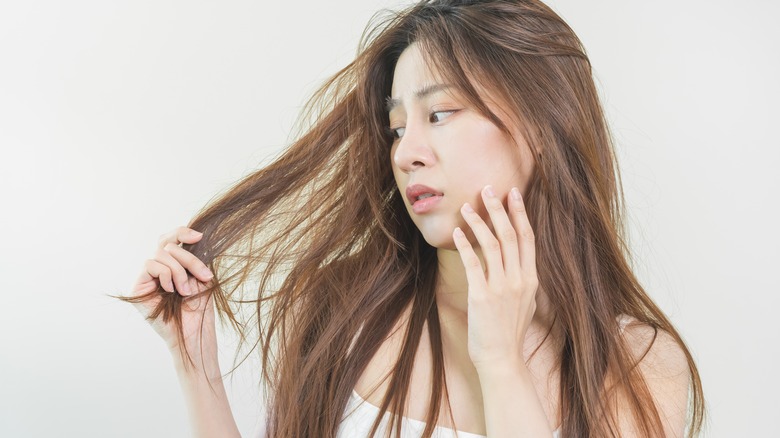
x: 413, y: 151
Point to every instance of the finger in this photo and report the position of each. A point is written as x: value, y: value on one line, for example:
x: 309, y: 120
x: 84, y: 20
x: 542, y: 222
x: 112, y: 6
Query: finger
x: 179, y: 235
x: 146, y: 286
x: 177, y: 270
x: 474, y: 274
x: 191, y: 263
x: 524, y: 232
x: 507, y: 236
x: 491, y: 248
x: 199, y: 304
x: 157, y: 270
x: 197, y: 286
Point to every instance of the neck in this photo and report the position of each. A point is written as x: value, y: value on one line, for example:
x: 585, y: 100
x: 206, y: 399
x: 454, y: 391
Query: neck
x: 452, y: 301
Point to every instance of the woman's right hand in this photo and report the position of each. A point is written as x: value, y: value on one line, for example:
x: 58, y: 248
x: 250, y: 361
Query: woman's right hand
x: 169, y: 268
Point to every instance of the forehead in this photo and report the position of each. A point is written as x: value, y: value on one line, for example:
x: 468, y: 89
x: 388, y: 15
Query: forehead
x: 412, y: 73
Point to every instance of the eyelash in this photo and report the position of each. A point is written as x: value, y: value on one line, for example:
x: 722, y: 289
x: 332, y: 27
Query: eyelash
x: 393, y: 132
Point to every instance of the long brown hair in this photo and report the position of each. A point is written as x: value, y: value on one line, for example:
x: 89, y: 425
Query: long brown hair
x: 324, y: 232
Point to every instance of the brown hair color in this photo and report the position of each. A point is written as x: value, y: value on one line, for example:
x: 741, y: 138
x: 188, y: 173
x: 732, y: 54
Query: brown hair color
x: 325, y: 232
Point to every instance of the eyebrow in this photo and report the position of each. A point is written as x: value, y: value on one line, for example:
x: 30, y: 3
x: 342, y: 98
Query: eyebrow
x: 391, y: 103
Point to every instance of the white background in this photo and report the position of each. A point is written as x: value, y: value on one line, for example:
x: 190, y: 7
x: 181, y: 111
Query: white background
x: 119, y: 120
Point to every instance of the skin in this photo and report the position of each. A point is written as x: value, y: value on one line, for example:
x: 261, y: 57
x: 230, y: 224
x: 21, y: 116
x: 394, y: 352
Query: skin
x: 466, y: 157
x: 492, y: 311
x: 169, y: 268
x: 448, y: 146
x: 490, y: 304
x: 201, y: 381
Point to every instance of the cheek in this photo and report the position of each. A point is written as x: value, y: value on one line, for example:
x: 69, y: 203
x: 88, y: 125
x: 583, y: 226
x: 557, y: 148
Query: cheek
x: 481, y: 155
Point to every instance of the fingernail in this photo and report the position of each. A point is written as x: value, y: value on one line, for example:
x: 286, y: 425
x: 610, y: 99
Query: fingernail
x: 467, y: 208
x: 515, y: 194
x: 195, y: 233
x: 206, y: 273
x: 489, y: 191
x: 459, y: 232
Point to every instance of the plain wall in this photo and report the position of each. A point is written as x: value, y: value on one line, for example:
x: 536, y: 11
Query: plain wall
x: 120, y: 120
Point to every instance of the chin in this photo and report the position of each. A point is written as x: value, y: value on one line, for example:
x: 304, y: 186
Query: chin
x: 438, y: 235
x: 437, y: 228
x: 440, y: 242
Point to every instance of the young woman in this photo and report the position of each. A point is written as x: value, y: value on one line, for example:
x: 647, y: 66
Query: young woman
x: 442, y: 249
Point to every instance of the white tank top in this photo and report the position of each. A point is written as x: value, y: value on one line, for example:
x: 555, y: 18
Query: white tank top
x: 360, y: 415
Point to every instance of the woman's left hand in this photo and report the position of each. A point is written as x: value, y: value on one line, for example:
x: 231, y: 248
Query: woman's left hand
x: 501, y: 298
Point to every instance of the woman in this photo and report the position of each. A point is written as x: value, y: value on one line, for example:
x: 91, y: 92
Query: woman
x: 442, y: 249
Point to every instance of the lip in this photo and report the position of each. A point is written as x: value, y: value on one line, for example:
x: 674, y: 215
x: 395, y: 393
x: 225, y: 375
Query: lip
x: 420, y: 206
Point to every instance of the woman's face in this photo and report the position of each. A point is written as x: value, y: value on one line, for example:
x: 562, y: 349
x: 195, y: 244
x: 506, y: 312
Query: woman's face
x: 444, y: 148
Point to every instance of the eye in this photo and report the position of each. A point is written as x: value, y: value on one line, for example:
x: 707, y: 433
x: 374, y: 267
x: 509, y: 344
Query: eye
x: 438, y: 116
x: 396, y: 133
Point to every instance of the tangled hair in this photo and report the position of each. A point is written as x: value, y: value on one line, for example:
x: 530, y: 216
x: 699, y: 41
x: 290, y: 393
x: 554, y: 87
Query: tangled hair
x: 324, y: 232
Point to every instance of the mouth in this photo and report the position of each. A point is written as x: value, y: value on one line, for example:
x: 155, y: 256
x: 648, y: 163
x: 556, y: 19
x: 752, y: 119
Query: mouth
x: 422, y: 198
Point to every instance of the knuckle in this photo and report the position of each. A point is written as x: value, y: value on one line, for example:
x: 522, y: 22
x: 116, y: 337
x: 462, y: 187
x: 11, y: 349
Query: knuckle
x: 165, y: 258
x: 161, y: 254
x: 150, y: 267
x: 528, y: 234
x: 508, y: 235
x: 495, y: 206
x: 167, y: 283
x: 473, y: 262
x: 493, y: 245
x: 179, y: 273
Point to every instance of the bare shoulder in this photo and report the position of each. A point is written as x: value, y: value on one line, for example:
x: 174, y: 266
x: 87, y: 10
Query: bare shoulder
x: 664, y: 365
x: 656, y: 350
